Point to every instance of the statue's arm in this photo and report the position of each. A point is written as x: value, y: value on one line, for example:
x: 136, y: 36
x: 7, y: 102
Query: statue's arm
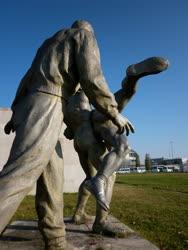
x: 68, y: 133
x: 91, y: 77
x: 93, y: 82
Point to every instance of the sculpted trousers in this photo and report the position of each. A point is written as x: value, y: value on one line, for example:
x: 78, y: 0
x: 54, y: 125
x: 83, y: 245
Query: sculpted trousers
x: 38, y: 120
x: 49, y: 197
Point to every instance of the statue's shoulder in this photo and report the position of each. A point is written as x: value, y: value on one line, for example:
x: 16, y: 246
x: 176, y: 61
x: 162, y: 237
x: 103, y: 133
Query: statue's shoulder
x: 60, y: 35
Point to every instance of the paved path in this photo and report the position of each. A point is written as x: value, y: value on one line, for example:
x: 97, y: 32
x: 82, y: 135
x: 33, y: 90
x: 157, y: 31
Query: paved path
x: 24, y: 235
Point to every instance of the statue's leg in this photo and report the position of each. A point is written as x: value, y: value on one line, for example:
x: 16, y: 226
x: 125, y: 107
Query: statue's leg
x: 35, y: 118
x: 80, y: 216
x: 149, y: 66
x: 112, y: 162
x: 134, y: 72
x: 101, y: 214
x: 49, y: 201
x: 90, y: 154
x: 116, y: 157
x: 103, y: 224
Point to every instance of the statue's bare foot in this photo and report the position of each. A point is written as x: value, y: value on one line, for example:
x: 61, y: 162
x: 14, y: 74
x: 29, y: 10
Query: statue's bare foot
x: 110, y: 229
x: 96, y: 186
x: 150, y: 66
x: 81, y: 218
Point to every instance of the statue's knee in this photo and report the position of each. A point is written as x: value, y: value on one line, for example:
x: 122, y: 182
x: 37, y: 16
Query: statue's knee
x: 112, y: 178
x: 82, y: 189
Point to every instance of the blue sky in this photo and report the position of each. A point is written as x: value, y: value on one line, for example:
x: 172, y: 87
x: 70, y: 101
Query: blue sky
x: 127, y: 32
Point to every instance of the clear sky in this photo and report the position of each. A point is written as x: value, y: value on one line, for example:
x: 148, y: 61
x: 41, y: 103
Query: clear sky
x: 127, y: 32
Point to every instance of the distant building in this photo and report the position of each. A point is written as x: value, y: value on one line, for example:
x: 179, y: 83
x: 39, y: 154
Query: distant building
x: 130, y: 160
x: 130, y: 164
x: 157, y: 161
x: 163, y: 161
x: 173, y: 161
x: 185, y: 168
x: 176, y: 163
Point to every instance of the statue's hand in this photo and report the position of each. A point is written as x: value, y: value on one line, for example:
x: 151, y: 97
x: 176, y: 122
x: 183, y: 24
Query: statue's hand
x: 68, y: 134
x: 9, y: 127
x: 123, y: 124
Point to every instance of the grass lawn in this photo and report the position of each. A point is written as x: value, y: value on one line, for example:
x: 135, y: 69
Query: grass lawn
x: 154, y: 205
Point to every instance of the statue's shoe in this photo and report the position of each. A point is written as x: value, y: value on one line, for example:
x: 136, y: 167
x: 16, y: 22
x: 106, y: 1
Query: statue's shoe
x: 111, y: 229
x: 150, y: 66
x: 96, y: 186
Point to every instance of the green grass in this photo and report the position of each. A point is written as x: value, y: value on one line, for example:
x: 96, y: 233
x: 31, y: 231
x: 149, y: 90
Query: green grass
x: 154, y: 205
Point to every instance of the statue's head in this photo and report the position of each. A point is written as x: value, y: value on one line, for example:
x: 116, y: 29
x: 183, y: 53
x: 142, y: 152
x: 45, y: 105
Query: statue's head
x: 82, y: 24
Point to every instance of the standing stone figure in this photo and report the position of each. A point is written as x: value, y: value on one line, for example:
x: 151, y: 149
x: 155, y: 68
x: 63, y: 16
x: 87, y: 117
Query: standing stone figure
x: 100, y: 147
x: 68, y: 58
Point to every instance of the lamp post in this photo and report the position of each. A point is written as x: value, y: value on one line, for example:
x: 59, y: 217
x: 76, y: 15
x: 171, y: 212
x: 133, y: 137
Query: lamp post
x: 172, y: 149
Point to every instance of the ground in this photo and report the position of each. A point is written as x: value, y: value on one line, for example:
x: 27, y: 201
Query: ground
x: 154, y: 205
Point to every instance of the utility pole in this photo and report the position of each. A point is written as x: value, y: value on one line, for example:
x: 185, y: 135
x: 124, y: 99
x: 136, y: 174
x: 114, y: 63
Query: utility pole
x: 172, y: 149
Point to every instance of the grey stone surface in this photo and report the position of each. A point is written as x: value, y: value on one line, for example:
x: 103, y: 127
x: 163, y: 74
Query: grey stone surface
x: 24, y: 235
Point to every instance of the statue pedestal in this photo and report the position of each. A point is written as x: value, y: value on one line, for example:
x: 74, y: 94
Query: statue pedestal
x: 22, y: 235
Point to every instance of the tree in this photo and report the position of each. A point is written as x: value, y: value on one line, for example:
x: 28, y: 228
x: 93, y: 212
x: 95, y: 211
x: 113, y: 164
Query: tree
x: 148, y: 162
x: 137, y: 160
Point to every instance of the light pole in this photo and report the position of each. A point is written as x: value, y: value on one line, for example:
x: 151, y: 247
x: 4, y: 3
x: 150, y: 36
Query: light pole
x: 172, y: 150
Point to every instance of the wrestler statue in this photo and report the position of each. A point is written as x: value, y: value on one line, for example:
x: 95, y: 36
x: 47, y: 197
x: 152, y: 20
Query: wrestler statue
x: 99, y: 145
x: 68, y: 58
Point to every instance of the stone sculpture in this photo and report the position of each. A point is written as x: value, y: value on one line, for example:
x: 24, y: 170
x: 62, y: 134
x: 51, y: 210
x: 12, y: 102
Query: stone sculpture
x: 68, y: 58
x: 99, y: 145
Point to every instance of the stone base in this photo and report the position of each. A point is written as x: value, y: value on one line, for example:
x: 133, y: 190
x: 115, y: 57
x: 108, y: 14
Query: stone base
x: 24, y: 235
